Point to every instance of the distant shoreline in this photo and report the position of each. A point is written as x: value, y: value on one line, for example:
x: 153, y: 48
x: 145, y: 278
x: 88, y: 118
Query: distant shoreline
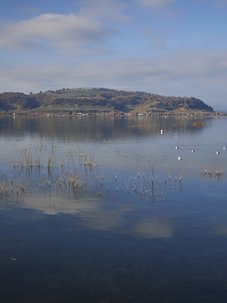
x: 101, y: 101
x: 114, y: 114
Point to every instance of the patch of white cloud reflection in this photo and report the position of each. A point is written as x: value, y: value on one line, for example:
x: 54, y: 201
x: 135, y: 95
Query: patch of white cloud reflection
x: 53, y: 205
x: 221, y: 230
x: 104, y: 220
x: 155, y: 229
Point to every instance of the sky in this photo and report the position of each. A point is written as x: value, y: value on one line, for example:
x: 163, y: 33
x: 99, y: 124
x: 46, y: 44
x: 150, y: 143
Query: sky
x: 166, y: 47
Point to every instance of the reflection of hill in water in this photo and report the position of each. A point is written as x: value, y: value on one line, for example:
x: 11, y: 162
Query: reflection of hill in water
x: 95, y: 128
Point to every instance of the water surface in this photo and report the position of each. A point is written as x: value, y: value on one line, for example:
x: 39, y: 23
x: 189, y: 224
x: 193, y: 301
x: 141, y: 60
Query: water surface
x: 96, y: 210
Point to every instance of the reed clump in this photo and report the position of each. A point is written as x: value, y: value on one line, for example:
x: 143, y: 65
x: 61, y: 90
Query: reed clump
x: 67, y: 185
x: 212, y: 173
x: 9, y: 190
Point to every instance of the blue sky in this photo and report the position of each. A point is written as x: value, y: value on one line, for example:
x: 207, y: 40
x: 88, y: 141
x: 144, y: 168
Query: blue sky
x: 168, y: 47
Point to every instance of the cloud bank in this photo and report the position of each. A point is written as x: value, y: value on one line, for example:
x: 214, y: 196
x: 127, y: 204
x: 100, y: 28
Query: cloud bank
x: 183, y: 74
x: 61, y: 32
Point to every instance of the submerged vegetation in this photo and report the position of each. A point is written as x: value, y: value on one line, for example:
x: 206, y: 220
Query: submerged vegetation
x: 77, y: 171
x: 9, y: 189
x: 71, y: 160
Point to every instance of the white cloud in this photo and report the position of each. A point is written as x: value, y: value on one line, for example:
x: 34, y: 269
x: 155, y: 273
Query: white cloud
x: 164, y: 6
x: 62, y: 32
x: 84, y: 32
x: 111, y: 9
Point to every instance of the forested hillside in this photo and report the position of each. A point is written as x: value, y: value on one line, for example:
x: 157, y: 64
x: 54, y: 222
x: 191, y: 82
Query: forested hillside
x: 98, y: 99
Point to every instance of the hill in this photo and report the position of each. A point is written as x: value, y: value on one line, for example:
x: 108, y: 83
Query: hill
x: 99, y: 100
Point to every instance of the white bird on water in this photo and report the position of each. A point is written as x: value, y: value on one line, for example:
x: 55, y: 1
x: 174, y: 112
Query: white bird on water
x: 179, y: 158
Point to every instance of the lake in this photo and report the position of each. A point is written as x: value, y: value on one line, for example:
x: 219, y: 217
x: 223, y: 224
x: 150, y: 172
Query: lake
x: 118, y: 210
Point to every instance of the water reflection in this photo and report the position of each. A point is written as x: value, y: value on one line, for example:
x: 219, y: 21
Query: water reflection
x: 69, y: 128
x: 221, y: 230
x: 155, y: 229
x: 93, y: 210
x: 53, y: 205
x: 142, y: 167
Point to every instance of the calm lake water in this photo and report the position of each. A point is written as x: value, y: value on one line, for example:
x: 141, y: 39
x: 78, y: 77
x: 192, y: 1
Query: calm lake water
x: 95, y: 210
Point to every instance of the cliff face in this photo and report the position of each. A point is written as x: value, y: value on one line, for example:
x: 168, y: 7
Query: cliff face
x: 100, y: 99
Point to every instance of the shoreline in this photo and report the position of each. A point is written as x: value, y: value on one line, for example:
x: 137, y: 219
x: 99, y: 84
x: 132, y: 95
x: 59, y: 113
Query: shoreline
x: 114, y: 114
